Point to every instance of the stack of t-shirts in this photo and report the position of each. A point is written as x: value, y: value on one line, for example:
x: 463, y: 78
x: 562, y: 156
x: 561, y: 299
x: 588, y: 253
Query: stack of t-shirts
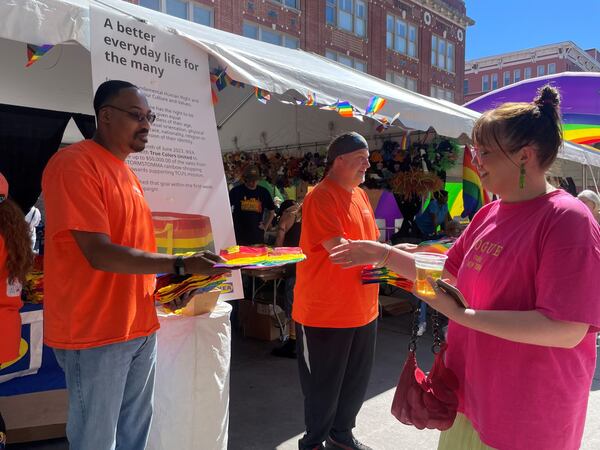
x: 238, y: 257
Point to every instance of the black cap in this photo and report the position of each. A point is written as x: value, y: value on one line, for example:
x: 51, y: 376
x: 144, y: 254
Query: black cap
x: 345, y: 143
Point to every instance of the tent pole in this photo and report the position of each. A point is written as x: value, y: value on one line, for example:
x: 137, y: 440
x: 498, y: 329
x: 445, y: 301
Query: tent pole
x: 593, y: 177
x: 236, y: 109
x: 583, y: 177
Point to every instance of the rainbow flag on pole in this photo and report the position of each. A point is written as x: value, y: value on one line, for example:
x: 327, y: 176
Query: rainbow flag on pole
x: 474, y: 196
x: 345, y: 109
x: 262, y: 95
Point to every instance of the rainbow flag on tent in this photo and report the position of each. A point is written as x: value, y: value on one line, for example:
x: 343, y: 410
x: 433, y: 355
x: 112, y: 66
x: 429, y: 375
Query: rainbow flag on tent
x: 375, y: 104
x: 262, y: 95
x: 35, y: 52
x: 345, y: 109
x: 474, y: 196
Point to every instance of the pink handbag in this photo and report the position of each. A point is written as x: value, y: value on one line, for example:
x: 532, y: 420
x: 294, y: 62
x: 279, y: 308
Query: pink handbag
x: 426, y: 401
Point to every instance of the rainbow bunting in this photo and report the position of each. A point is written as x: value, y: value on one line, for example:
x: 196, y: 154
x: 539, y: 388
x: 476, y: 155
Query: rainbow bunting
x: 35, y: 52
x: 262, y: 95
x: 375, y: 104
x: 310, y: 99
x: 214, y: 96
x: 474, y: 196
x: 345, y: 109
x: 260, y: 257
x: 221, y: 80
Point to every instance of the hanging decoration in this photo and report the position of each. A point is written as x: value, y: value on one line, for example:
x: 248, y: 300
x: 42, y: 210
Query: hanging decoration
x: 375, y: 104
x: 35, y: 52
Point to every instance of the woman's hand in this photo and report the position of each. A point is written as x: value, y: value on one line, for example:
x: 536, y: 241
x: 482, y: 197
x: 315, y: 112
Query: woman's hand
x: 441, y: 301
x: 358, y: 253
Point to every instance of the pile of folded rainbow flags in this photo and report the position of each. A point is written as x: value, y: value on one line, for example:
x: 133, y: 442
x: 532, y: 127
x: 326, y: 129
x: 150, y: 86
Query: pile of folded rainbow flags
x: 240, y: 257
x: 170, y: 287
x: 383, y: 275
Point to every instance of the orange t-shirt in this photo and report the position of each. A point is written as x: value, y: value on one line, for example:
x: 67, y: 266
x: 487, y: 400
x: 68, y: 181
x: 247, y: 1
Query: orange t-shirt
x: 10, y: 304
x: 326, y: 295
x: 87, y: 188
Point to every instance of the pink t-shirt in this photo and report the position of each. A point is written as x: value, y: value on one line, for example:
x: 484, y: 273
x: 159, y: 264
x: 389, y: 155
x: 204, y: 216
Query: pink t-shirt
x: 542, y: 254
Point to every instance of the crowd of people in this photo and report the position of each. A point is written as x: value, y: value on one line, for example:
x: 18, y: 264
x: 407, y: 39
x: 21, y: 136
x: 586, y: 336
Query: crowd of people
x: 525, y: 265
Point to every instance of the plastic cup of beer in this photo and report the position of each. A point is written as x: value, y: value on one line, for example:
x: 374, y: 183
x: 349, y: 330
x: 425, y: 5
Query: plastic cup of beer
x: 428, y: 265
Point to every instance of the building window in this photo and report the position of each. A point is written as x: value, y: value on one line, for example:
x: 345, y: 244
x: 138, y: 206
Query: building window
x: 401, y: 36
x: 255, y: 31
x: 485, y: 83
x: 494, y: 81
x: 465, y: 86
x: 184, y: 9
x: 551, y: 68
x: 347, y: 15
x: 506, y: 78
x: 517, y: 75
x: 401, y: 80
x: 541, y: 71
x: 291, y: 3
x: 442, y: 53
x: 527, y: 73
x: 346, y: 60
x: 441, y: 93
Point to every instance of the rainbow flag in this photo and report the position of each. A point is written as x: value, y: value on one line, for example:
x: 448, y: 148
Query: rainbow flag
x: 237, y: 257
x: 375, y: 104
x: 404, y: 142
x: 262, y: 95
x: 474, y: 196
x: 35, y: 52
x: 221, y: 79
x: 345, y: 109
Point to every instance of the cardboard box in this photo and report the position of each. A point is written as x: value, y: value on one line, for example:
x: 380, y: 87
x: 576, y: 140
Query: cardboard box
x: 258, y: 321
x: 36, y: 416
x: 202, y: 303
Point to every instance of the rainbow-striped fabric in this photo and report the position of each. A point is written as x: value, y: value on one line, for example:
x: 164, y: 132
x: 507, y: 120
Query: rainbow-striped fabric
x: 474, y: 196
x: 35, y: 52
x: 238, y: 257
x: 375, y: 104
x: 182, y: 233
x: 582, y: 128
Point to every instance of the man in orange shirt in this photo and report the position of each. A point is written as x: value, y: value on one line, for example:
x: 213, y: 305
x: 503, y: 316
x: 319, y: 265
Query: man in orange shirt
x: 100, y: 261
x: 336, y: 315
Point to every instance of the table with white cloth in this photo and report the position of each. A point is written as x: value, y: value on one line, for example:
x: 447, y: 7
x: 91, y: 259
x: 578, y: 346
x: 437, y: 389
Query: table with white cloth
x: 191, y: 399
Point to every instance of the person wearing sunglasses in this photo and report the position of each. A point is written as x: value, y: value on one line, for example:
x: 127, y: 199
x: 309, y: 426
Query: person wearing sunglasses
x: 524, y: 350
x: 100, y: 263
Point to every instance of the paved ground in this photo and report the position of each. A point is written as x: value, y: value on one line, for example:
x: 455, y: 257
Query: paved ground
x: 266, y: 404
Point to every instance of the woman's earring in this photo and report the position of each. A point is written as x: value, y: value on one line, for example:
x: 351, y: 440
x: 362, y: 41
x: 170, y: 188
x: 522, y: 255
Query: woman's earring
x: 522, y: 177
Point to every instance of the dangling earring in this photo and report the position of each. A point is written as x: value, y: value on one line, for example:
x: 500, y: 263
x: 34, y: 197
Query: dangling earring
x: 522, y: 177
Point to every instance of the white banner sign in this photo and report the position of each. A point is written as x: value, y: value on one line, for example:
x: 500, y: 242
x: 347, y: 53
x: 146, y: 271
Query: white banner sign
x: 181, y: 168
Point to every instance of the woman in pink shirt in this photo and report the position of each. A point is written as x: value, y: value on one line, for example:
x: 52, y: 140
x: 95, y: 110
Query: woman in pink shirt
x: 525, y: 350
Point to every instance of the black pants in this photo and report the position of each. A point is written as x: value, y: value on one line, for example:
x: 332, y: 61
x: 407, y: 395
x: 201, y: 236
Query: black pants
x: 335, y: 366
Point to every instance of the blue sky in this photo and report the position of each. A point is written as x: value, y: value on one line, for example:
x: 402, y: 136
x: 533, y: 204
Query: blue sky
x: 508, y: 25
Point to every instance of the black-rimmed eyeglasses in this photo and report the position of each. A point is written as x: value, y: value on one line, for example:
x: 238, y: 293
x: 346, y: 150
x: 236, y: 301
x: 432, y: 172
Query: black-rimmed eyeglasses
x: 150, y: 117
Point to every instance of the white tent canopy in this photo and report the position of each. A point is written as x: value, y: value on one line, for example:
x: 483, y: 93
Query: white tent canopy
x: 286, y: 73
x: 276, y: 69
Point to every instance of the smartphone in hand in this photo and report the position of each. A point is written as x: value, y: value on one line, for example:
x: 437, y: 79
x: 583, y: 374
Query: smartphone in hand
x: 452, y: 292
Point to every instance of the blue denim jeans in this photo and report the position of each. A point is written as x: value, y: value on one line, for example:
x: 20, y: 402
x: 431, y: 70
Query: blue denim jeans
x: 423, y: 313
x: 110, y: 394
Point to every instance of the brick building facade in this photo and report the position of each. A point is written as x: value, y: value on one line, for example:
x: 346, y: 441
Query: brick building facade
x: 389, y: 39
x: 487, y: 74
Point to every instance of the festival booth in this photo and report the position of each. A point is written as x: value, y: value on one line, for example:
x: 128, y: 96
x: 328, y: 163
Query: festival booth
x: 275, y: 100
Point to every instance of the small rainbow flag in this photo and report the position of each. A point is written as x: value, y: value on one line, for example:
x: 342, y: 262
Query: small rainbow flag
x: 262, y: 95
x: 214, y: 96
x: 375, y: 104
x: 310, y: 99
x: 345, y: 109
x: 35, y: 52
x: 474, y: 196
x: 405, y: 142
x: 221, y: 79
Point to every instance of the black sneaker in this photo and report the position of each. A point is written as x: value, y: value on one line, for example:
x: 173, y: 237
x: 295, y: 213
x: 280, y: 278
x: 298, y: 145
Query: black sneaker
x: 310, y: 447
x: 350, y: 443
x: 286, y: 350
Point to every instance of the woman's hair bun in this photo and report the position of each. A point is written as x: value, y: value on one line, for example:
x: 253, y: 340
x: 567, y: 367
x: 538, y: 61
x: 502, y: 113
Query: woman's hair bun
x: 547, y: 96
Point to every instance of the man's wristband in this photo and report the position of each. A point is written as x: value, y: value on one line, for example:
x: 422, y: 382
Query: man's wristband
x: 179, y: 266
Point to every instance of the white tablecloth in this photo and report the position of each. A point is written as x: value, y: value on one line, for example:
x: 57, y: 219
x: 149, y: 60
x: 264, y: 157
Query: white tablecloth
x: 191, y: 400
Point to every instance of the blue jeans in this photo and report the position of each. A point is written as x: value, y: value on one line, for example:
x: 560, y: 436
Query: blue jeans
x: 423, y: 313
x: 110, y: 394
